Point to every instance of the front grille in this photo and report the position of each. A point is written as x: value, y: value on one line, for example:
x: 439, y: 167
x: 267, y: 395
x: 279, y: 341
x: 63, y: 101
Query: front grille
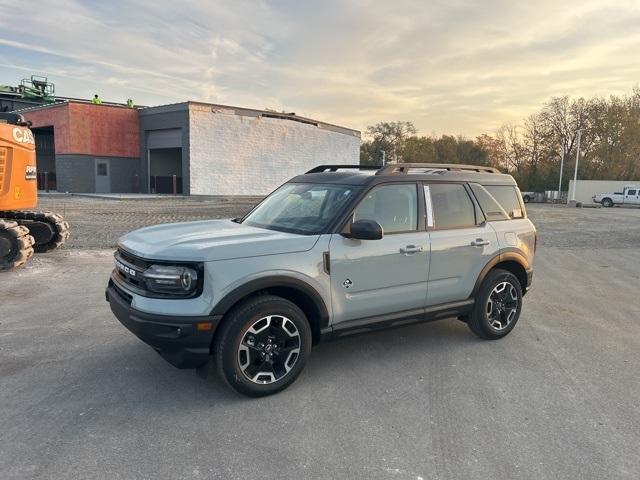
x: 131, y: 274
x: 133, y: 260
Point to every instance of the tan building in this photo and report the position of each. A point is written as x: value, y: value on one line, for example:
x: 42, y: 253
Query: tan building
x: 586, y: 189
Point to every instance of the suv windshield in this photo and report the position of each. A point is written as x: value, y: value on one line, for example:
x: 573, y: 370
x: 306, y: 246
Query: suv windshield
x: 304, y: 208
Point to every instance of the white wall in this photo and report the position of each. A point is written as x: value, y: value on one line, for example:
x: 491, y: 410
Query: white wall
x: 241, y: 155
x: 586, y: 189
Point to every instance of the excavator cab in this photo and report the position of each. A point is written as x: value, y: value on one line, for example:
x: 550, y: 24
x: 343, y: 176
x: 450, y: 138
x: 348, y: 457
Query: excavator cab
x: 18, y: 185
x: 22, y: 230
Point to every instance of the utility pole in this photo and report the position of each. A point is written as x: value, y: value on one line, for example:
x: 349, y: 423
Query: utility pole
x: 561, y: 165
x: 575, y: 174
x: 384, y: 158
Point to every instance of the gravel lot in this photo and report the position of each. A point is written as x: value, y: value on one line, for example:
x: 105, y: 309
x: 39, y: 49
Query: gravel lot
x: 98, y: 223
x: 559, y: 398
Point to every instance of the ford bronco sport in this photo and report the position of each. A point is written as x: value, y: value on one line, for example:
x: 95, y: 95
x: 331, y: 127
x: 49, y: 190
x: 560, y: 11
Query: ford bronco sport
x: 338, y: 250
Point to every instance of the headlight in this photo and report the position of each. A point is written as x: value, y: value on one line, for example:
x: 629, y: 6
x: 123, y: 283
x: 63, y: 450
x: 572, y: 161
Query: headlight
x: 171, y: 280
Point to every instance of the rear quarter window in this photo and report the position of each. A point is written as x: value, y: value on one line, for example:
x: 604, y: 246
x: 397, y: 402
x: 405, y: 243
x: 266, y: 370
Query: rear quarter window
x: 508, y: 197
x: 492, y: 209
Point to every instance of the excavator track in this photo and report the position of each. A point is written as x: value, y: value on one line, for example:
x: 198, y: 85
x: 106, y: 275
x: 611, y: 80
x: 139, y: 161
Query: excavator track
x: 16, y: 245
x: 48, y: 229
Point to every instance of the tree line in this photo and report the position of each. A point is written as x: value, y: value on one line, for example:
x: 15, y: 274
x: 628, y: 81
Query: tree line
x: 531, y: 150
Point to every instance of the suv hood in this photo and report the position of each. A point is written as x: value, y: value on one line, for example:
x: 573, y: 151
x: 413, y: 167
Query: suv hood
x: 210, y: 240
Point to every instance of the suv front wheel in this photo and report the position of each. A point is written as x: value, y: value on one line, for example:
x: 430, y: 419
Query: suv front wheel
x: 498, y: 305
x: 263, y: 345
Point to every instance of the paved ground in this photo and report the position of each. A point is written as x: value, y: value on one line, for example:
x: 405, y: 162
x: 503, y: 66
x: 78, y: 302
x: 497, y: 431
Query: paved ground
x: 97, y: 223
x: 559, y: 398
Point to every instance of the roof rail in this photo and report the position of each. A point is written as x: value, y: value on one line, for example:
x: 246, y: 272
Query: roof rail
x: 404, y: 168
x: 334, y: 168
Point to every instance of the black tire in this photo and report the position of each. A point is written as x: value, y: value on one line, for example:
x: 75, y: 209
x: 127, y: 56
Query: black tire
x: 607, y: 202
x: 49, y: 230
x: 526, y: 199
x: 233, y: 341
x: 16, y: 245
x: 485, y: 318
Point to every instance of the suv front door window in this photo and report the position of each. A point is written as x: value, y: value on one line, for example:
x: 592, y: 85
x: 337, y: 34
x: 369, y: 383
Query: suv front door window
x: 376, y: 277
x: 394, y: 207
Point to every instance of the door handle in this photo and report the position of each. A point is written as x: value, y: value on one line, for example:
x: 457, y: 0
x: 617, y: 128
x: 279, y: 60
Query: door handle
x: 410, y: 249
x: 479, y: 242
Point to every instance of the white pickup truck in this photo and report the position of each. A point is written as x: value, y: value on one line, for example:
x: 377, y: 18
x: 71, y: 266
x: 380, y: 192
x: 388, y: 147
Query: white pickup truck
x: 629, y: 196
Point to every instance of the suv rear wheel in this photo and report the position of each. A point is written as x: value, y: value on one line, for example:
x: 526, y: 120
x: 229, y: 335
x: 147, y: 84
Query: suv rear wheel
x: 498, y: 305
x: 263, y: 345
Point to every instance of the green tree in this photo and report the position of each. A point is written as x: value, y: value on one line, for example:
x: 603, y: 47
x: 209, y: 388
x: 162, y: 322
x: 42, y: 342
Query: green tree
x: 531, y: 151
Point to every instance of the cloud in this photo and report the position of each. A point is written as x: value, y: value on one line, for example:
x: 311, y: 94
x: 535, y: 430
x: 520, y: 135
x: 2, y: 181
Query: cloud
x: 453, y: 66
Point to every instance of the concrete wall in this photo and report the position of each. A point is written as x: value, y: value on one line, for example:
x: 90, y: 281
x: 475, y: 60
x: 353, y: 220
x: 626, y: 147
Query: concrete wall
x: 244, y: 154
x: 77, y: 173
x: 586, y: 189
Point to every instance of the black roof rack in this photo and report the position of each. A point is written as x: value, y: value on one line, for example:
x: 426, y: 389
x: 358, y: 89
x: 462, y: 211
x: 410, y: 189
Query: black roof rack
x: 334, y: 168
x: 404, y: 168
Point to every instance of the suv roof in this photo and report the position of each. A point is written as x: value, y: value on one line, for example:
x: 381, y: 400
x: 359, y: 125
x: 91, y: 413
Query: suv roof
x: 431, y: 172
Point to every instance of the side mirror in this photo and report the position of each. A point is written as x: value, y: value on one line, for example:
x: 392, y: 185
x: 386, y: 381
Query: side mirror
x: 366, y: 230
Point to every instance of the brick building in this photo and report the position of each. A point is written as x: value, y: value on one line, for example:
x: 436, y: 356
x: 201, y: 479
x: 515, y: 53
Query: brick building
x: 204, y: 149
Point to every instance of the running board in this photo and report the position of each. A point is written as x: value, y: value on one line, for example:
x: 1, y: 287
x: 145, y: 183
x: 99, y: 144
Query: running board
x: 398, y: 319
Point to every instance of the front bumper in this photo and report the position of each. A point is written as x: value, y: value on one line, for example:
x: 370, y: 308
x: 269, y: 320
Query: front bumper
x: 177, y: 339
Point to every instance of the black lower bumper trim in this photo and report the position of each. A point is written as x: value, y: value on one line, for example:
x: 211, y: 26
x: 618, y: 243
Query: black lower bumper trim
x: 175, y: 338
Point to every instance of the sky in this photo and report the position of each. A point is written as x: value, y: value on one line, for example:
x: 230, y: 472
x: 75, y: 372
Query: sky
x: 450, y: 66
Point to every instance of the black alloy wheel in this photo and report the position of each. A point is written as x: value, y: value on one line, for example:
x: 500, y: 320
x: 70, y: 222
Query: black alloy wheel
x: 262, y: 345
x: 497, y: 307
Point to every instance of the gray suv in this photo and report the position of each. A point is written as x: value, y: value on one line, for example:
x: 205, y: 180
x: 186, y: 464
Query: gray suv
x: 336, y: 251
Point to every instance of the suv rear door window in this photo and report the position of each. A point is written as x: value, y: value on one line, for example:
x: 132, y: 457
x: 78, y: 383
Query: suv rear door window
x: 394, y: 207
x: 508, y: 197
x: 452, y: 207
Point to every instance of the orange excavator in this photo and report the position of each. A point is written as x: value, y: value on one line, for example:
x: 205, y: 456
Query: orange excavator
x: 22, y: 230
